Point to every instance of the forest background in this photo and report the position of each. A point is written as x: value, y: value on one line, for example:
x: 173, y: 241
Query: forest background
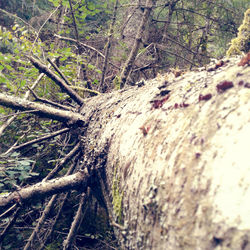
x: 98, y: 47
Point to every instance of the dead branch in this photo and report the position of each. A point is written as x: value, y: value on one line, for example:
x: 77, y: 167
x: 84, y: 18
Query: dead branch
x: 47, y: 210
x: 58, y: 105
x: 39, y: 109
x: 64, y: 87
x: 64, y: 161
x: 10, y: 120
x: 54, y: 221
x: 18, y: 18
x: 76, y: 222
x: 131, y: 58
x: 46, y: 188
x: 37, y: 35
x: 10, y: 224
x: 49, y: 136
x: 162, y: 47
x: 86, y: 46
x: 59, y: 71
x: 108, y: 46
x: 66, y: 80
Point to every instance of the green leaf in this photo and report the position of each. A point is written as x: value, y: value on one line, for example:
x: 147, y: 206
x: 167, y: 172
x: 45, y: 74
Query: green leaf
x: 15, y: 154
x: 22, y: 83
x: 24, y: 162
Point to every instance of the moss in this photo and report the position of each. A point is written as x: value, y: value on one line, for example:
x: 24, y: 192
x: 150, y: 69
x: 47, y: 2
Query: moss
x: 117, y: 195
x: 117, y: 82
x: 242, y: 42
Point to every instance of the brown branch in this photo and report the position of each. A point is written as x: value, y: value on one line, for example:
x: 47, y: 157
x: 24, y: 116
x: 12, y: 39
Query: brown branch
x: 76, y: 222
x: 64, y: 87
x: 17, y: 17
x: 63, y: 162
x: 131, y: 58
x: 108, y: 46
x: 58, y: 105
x: 10, y: 224
x: 91, y: 91
x: 46, y: 188
x: 49, y: 16
x: 162, y: 47
x: 46, y: 212
x: 54, y: 221
x: 40, y: 109
x: 87, y: 46
x: 59, y: 71
x: 66, y: 80
x: 74, y: 21
x: 10, y: 120
x: 49, y: 136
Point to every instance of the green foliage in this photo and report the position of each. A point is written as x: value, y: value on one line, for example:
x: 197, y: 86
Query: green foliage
x: 14, y: 170
x: 204, y: 27
x: 15, y: 72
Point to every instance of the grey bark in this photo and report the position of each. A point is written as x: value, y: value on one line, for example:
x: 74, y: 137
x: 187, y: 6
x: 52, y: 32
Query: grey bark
x: 177, y: 169
x: 108, y: 45
x: 131, y: 58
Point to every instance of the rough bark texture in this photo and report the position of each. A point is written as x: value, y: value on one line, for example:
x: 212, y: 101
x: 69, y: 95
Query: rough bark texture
x: 176, y: 164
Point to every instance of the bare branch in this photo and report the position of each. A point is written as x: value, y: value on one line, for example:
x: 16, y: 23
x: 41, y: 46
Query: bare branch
x: 64, y: 161
x: 58, y: 105
x: 131, y: 58
x: 49, y: 136
x: 76, y: 222
x: 46, y: 188
x: 39, y: 109
x: 162, y: 47
x: 19, y: 18
x: 59, y: 71
x: 87, y: 46
x: 47, y: 210
x: 64, y: 87
x: 66, y: 80
x: 108, y: 46
x: 10, y: 120
x: 10, y: 224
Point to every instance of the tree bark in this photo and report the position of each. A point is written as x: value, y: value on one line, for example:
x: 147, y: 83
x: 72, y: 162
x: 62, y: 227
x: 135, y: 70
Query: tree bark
x: 177, y: 169
x: 131, y: 58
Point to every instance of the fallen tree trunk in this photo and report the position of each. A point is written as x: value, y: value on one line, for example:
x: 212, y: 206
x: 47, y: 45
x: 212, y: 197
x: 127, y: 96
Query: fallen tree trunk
x: 171, y: 159
x: 177, y: 169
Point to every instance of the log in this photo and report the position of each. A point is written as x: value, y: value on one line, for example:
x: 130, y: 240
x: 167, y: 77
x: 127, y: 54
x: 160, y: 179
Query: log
x: 172, y: 159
